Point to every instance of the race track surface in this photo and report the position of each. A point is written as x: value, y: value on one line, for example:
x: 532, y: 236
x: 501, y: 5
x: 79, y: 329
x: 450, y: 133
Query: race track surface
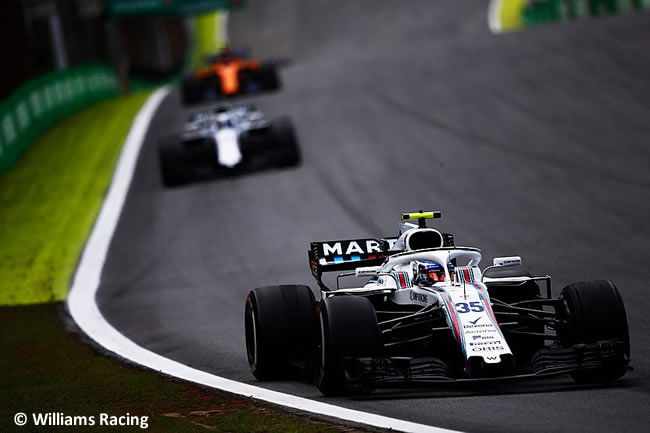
x: 533, y: 143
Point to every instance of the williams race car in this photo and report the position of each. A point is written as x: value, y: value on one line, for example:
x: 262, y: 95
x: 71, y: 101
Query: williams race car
x: 227, y: 140
x: 427, y: 314
x: 229, y: 73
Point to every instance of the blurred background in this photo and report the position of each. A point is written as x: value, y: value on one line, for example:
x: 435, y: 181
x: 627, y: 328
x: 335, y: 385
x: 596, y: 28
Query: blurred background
x: 144, y: 39
x: 136, y: 44
x: 524, y: 121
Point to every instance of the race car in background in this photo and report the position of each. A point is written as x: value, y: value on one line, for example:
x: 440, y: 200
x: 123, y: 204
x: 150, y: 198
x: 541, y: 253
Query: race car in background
x: 227, y: 140
x: 229, y: 73
x: 427, y: 313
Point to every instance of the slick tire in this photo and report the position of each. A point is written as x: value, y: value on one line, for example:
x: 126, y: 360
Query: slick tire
x: 279, y: 324
x: 347, y: 328
x: 287, y: 152
x: 191, y: 91
x: 594, y: 311
x: 172, y: 167
x: 268, y: 77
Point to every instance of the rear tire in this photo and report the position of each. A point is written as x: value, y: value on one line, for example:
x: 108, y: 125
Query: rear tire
x: 170, y: 158
x: 286, y: 150
x: 191, y: 90
x: 594, y: 312
x: 348, y: 328
x: 268, y: 76
x: 279, y: 325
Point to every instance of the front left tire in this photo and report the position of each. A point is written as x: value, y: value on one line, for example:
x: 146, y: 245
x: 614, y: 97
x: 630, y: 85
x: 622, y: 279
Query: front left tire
x: 347, y: 329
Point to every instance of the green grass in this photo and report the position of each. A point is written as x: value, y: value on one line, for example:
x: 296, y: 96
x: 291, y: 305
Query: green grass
x: 49, y: 200
x: 207, y: 34
x: 45, y: 369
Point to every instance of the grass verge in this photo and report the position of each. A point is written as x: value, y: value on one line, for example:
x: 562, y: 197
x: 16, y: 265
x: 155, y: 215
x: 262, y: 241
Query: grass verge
x: 47, y: 370
x: 49, y: 200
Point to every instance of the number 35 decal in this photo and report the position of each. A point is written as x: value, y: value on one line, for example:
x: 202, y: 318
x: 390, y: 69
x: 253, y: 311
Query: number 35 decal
x: 464, y: 307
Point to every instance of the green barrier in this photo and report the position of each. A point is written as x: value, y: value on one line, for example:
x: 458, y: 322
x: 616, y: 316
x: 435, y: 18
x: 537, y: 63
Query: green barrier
x: 544, y: 11
x: 119, y: 8
x: 37, y: 104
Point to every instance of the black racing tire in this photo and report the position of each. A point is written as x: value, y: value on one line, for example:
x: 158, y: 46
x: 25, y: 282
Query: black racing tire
x: 172, y: 167
x: 593, y: 312
x: 268, y: 77
x: 191, y: 90
x: 279, y: 324
x: 347, y: 328
x: 286, y: 149
x: 523, y: 346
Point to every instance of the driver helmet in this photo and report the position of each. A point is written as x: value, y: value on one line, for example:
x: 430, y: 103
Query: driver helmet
x: 428, y: 273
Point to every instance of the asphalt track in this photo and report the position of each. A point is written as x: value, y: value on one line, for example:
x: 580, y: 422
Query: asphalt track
x: 533, y: 143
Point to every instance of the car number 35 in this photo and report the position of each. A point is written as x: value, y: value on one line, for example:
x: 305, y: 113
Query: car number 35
x: 464, y: 307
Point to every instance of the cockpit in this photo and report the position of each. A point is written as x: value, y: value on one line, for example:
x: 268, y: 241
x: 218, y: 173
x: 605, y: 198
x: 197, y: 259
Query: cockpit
x: 427, y: 273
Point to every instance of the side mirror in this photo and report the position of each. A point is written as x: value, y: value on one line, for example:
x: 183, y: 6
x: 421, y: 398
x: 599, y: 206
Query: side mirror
x: 368, y: 271
x: 507, y: 261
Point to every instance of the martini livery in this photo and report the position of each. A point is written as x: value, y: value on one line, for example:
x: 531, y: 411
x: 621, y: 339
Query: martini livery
x: 426, y: 312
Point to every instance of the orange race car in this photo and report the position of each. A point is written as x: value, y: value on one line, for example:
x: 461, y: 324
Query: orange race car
x: 229, y: 73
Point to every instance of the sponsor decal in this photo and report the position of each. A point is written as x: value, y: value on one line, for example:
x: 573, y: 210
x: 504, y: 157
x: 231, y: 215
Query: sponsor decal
x: 418, y: 297
x: 484, y: 343
x: 480, y: 331
x: 361, y: 272
x: 473, y: 322
x: 363, y: 248
x: 487, y: 348
x: 479, y: 325
x: 481, y: 337
x: 351, y: 247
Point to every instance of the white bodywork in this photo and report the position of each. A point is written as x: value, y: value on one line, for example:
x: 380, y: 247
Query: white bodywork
x: 226, y: 126
x: 462, y: 294
x: 228, y: 153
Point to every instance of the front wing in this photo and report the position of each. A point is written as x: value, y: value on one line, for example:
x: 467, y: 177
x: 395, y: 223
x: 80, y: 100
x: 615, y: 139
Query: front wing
x: 403, y: 372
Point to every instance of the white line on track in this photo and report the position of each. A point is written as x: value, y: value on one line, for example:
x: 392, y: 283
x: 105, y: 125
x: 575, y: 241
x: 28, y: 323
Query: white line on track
x: 85, y: 312
x: 494, y: 15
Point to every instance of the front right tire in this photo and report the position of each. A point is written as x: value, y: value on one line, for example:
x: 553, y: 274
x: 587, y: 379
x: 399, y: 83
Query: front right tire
x: 594, y: 312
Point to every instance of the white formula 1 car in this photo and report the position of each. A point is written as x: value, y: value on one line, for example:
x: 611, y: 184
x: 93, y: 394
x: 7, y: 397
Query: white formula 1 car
x: 427, y: 313
x: 227, y: 140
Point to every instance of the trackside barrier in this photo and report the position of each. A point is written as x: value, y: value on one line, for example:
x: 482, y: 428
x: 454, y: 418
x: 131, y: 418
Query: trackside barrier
x: 537, y: 12
x: 39, y: 103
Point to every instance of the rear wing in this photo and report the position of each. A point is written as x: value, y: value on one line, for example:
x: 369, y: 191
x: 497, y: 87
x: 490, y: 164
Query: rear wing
x: 349, y: 254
